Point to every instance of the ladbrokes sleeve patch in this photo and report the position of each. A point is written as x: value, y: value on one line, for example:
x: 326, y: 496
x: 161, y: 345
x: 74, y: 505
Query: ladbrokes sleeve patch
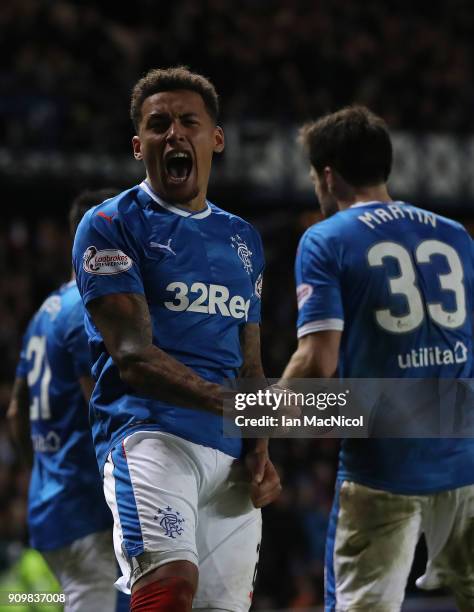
x: 106, y: 261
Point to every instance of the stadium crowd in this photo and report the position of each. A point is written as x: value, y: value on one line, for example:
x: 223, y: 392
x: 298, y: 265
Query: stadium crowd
x: 67, y: 67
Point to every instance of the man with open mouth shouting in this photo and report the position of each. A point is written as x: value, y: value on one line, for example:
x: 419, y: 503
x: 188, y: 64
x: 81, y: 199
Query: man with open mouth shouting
x: 172, y: 287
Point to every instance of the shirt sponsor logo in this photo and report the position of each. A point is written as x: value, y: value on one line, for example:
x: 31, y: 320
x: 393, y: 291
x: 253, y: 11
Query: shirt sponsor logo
x: 107, y: 261
x: 303, y: 293
x: 433, y: 355
x: 50, y: 443
x: 207, y: 299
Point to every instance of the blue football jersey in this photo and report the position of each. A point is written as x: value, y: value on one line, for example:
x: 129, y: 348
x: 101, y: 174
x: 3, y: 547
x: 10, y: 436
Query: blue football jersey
x: 201, y: 274
x: 66, y: 500
x: 398, y: 280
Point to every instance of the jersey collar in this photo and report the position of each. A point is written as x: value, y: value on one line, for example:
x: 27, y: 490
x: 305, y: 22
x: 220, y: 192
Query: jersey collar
x: 177, y: 210
x: 359, y: 204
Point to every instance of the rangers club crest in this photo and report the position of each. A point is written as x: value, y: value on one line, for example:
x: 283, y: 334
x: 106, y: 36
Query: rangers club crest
x: 243, y: 252
x: 170, y: 520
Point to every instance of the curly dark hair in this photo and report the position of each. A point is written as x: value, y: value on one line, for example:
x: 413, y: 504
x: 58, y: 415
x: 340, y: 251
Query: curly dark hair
x: 170, y: 79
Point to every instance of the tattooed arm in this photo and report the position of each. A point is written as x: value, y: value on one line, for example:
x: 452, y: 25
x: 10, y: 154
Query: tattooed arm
x: 124, y: 321
x: 251, y: 354
x: 265, y: 484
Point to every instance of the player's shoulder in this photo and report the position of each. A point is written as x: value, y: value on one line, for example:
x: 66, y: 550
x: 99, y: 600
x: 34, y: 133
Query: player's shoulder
x: 226, y: 216
x: 112, y: 210
x: 69, y: 295
x: 445, y: 221
x: 66, y: 309
x: 46, y: 314
x: 51, y: 305
x: 233, y: 221
x: 449, y: 228
x: 324, y: 232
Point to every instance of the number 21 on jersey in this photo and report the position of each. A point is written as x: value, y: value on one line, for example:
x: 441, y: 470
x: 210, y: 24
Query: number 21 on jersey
x: 39, y: 407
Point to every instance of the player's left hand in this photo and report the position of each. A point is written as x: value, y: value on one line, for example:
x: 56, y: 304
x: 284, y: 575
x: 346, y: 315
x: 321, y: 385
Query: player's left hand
x: 265, y: 484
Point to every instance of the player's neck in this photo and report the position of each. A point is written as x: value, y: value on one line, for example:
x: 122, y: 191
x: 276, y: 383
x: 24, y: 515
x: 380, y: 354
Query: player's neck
x: 199, y: 203
x: 195, y: 205
x: 374, y: 193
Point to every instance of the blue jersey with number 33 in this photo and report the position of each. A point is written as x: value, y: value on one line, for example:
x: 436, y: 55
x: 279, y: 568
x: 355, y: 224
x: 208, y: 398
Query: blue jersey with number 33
x: 399, y: 282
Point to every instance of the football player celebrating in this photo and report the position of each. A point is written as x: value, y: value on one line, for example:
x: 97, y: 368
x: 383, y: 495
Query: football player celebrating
x: 68, y: 518
x: 378, y: 281
x: 172, y: 286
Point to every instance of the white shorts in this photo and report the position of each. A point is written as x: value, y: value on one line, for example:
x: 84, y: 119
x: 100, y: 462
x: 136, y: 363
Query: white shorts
x: 173, y: 500
x: 371, y: 543
x: 86, y: 571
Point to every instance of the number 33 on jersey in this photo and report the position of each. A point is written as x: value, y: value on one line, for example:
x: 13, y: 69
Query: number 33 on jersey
x: 411, y: 275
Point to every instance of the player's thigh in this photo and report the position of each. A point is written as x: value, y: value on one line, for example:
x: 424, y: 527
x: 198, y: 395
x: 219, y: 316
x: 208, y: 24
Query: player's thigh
x: 370, y: 547
x: 86, y: 571
x: 151, y: 484
x: 228, y: 541
x: 449, y: 532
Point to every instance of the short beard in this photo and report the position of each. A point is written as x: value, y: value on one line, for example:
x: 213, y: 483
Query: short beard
x: 181, y: 201
x: 329, y: 208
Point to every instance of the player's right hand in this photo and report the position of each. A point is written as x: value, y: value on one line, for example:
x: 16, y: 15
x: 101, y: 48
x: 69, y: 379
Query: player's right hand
x: 265, y: 486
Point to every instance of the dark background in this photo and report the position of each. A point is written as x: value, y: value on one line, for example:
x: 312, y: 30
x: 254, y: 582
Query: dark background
x: 66, y: 71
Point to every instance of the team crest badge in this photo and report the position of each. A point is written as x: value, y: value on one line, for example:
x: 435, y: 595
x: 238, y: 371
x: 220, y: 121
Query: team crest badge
x: 243, y: 252
x: 170, y: 520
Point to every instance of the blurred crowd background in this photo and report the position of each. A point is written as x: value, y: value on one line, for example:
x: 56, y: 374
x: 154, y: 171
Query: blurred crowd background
x: 66, y: 70
x: 66, y: 67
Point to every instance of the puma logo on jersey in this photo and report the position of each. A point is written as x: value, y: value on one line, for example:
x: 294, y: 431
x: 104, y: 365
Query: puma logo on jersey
x: 104, y: 216
x: 165, y: 247
x: 207, y: 299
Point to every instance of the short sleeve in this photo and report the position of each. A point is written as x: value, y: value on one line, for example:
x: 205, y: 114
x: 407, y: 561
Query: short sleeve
x: 318, y: 285
x: 76, y: 342
x: 258, y: 266
x: 105, y: 257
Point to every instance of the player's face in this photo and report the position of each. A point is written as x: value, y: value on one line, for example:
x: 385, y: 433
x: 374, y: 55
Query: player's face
x: 176, y: 140
x: 326, y: 200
